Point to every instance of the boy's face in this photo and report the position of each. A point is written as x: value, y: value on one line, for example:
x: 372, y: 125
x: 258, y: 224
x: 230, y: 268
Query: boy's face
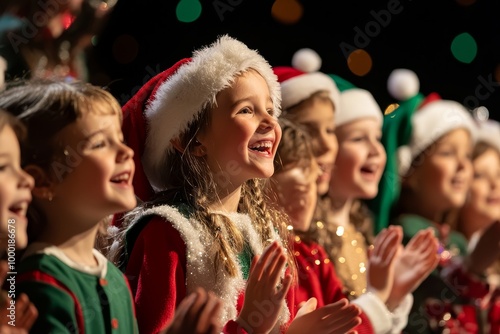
x: 93, y: 176
x: 297, y: 194
x: 442, y: 178
x: 15, y: 189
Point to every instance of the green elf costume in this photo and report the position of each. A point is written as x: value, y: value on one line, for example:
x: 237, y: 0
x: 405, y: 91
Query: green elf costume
x: 73, y: 298
x: 446, y: 302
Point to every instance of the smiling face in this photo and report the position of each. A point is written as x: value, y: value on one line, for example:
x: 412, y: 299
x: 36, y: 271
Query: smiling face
x: 15, y: 188
x: 317, y: 114
x: 98, y: 168
x: 360, y: 160
x: 242, y: 136
x: 442, y: 179
x: 297, y: 194
x: 483, y: 204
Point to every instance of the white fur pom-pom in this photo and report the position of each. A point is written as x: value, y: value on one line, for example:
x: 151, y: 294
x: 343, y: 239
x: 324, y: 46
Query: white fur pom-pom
x: 306, y: 60
x: 403, y: 84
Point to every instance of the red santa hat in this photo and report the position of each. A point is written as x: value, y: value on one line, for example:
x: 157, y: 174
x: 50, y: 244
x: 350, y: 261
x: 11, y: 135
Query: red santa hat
x: 303, y: 79
x: 163, y: 108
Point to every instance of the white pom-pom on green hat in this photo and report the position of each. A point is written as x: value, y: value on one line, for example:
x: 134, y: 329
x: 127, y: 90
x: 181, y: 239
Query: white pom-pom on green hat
x: 403, y: 84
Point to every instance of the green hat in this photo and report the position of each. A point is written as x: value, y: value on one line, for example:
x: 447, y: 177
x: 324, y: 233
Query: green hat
x: 407, y: 132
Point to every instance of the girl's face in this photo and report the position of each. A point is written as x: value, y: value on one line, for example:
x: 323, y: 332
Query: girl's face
x: 241, y: 141
x: 94, y: 177
x: 319, y: 119
x: 360, y: 160
x: 443, y: 178
x: 15, y: 189
x: 483, y: 203
x: 297, y: 194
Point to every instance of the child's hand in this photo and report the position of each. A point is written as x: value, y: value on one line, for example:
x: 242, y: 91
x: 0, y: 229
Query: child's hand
x: 339, y: 317
x: 197, y: 313
x: 26, y: 312
x: 381, y: 261
x: 486, y: 251
x: 417, y: 260
x: 8, y: 329
x: 263, y: 296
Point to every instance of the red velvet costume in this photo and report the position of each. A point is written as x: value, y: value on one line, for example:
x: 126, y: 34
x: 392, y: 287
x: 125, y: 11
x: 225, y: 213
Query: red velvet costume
x: 317, y: 278
x: 162, y: 273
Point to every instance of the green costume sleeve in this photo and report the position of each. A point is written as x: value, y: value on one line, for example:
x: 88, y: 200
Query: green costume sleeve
x: 55, y: 308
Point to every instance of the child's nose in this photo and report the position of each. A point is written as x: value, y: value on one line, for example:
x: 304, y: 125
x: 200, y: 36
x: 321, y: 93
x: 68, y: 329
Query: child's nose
x: 26, y: 180
x: 125, y: 152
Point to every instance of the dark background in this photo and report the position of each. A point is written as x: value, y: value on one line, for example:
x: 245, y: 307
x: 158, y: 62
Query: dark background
x: 143, y: 37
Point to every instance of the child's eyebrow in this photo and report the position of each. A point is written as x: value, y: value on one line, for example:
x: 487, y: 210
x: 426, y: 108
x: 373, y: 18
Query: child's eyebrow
x: 93, y: 134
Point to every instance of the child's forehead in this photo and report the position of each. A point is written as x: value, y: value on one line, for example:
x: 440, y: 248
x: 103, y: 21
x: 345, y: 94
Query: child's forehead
x: 89, y: 123
x: 8, y: 140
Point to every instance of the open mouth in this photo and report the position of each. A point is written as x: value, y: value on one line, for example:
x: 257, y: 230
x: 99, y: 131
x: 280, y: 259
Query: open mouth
x: 264, y: 147
x: 122, y: 179
x: 458, y: 183
x: 369, y: 171
x: 19, y: 209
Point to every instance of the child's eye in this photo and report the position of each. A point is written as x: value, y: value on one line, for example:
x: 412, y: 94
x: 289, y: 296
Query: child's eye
x: 478, y: 175
x: 270, y: 112
x: 330, y: 131
x: 3, y: 167
x: 245, y: 111
x: 97, y: 145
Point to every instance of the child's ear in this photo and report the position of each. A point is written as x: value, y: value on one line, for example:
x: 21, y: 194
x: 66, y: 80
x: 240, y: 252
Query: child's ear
x: 176, y: 143
x: 43, y: 185
x: 197, y: 148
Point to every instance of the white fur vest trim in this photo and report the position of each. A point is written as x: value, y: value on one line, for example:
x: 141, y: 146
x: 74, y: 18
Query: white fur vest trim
x: 200, y: 271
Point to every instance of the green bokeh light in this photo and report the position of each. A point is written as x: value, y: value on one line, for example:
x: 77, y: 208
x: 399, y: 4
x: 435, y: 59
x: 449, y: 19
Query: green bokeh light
x: 464, y: 48
x: 188, y: 11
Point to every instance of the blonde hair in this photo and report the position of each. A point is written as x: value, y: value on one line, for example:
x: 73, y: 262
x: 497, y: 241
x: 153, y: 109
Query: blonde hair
x: 189, y: 176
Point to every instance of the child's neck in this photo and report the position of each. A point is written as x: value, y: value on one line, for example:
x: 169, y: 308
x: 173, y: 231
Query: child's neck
x: 228, y: 201
x: 340, y: 209
x: 77, y: 243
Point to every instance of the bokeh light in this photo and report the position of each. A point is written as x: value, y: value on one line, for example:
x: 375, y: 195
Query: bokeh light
x: 125, y: 49
x: 359, y: 62
x: 497, y: 73
x: 287, y: 11
x: 464, y: 48
x: 188, y: 11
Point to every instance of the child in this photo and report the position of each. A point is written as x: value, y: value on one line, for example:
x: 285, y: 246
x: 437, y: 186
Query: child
x: 83, y: 173
x: 208, y: 149
x: 295, y: 185
x: 482, y: 209
x: 434, y: 140
x: 482, y: 206
x: 311, y: 98
x: 15, y: 195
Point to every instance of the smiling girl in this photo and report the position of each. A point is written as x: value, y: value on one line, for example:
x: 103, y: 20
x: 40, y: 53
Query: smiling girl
x: 209, y: 136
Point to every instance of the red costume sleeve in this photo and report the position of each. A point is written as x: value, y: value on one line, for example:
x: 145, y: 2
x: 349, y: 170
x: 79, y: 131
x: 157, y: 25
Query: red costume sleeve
x: 317, y: 278
x: 156, y: 270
